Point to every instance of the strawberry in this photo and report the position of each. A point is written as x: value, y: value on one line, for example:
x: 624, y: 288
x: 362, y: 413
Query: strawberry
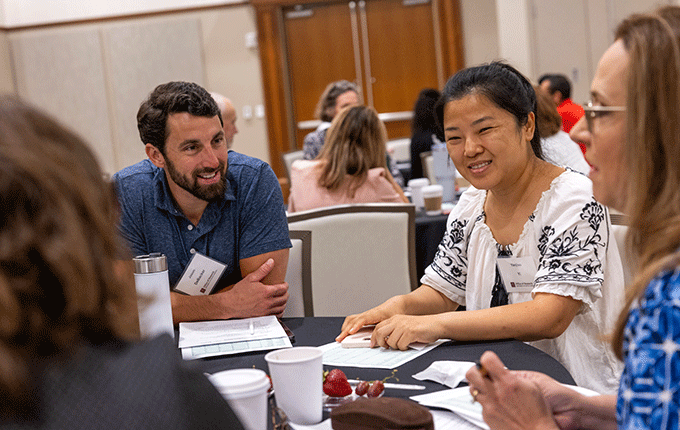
x: 376, y: 389
x: 362, y: 388
x: 335, y: 384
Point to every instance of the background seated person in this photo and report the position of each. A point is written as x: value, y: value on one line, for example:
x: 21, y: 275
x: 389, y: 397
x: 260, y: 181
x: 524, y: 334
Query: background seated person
x: 423, y: 127
x: 520, y: 207
x: 69, y: 312
x: 337, y: 96
x: 351, y: 167
x: 557, y: 146
x: 192, y: 195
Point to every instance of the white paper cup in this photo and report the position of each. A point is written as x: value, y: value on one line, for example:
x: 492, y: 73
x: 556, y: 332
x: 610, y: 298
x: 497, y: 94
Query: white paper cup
x: 297, y: 375
x: 416, y: 186
x: 246, y: 392
x: 432, y: 197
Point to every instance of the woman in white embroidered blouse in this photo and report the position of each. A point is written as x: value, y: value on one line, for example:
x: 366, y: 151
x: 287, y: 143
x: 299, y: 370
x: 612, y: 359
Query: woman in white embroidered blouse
x: 520, y: 212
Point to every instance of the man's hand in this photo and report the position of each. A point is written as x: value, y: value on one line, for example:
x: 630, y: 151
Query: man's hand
x: 248, y: 298
x: 251, y: 298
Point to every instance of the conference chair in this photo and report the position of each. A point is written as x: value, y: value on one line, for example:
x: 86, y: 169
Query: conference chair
x: 361, y: 255
x: 288, y: 158
x: 299, y: 275
x: 400, y: 149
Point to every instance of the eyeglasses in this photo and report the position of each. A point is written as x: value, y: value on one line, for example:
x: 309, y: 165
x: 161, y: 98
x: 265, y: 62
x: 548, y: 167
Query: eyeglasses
x: 592, y: 112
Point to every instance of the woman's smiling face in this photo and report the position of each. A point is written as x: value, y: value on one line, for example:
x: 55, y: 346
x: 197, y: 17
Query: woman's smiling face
x: 485, y: 142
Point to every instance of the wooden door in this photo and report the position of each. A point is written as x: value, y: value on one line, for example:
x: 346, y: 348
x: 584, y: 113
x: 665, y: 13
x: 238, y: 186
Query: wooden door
x: 401, y: 58
x: 320, y: 48
x: 387, y: 47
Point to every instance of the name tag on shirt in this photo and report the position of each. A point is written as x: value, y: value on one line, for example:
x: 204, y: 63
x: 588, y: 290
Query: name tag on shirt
x: 200, y: 276
x: 517, y: 273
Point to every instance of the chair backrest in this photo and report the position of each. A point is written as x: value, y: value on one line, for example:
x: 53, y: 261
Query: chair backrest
x: 428, y: 166
x: 288, y: 159
x: 299, y: 275
x: 619, y: 231
x: 400, y: 149
x: 362, y: 255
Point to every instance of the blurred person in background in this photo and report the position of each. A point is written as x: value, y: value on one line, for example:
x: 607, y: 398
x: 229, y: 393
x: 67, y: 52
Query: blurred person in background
x: 558, y: 148
x: 337, y: 96
x: 351, y: 167
x: 424, y: 129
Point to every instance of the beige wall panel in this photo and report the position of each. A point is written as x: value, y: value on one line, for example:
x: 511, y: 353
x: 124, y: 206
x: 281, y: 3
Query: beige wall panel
x: 480, y: 31
x: 140, y: 56
x: 561, y: 35
x: 61, y: 70
x: 233, y: 70
x: 6, y: 75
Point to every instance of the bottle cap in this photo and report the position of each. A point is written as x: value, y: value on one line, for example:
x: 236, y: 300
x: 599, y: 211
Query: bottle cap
x: 152, y: 263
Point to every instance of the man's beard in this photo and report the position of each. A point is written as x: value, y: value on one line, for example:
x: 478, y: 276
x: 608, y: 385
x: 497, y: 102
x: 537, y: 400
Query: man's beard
x: 209, y: 193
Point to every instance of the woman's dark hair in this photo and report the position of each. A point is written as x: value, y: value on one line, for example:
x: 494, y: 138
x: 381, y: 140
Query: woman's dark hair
x: 424, y: 119
x: 325, y: 108
x: 503, y: 85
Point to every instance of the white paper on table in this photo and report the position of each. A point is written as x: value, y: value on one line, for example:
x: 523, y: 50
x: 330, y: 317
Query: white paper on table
x: 379, y: 358
x: 212, y: 332
x: 323, y: 425
x: 449, y: 373
x: 445, y: 420
x: 457, y: 400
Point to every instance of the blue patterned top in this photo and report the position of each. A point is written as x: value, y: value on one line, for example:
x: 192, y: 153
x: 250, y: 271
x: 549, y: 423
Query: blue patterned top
x: 649, y: 396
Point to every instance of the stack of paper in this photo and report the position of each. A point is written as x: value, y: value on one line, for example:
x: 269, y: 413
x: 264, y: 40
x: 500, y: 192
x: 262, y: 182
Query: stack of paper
x: 211, y: 338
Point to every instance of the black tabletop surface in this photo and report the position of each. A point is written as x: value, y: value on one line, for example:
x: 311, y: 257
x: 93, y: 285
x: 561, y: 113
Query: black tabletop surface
x: 315, y: 331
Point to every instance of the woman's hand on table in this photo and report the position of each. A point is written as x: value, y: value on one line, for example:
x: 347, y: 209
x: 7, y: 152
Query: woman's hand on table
x: 399, y: 331
x: 511, y: 400
x: 353, y: 323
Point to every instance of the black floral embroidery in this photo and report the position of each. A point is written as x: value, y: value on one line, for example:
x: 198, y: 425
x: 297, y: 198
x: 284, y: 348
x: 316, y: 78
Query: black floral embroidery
x: 556, y: 249
x: 451, y: 265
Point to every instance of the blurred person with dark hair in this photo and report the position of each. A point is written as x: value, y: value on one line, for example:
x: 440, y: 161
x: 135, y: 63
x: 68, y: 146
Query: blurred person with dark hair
x: 337, y: 96
x: 193, y: 195
x: 558, y: 148
x: 351, y: 167
x: 558, y: 88
x: 67, y: 350
x: 424, y: 129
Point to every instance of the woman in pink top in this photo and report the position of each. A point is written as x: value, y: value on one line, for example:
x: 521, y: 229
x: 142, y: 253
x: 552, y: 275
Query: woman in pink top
x: 351, y: 167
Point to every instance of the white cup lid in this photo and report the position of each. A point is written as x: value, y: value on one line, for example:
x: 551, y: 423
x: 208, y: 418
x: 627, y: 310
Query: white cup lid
x: 418, y: 182
x: 433, y: 190
x: 240, y: 382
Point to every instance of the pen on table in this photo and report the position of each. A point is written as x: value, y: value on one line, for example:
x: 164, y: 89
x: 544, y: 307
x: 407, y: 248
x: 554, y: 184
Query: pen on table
x: 395, y: 386
x: 252, y: 329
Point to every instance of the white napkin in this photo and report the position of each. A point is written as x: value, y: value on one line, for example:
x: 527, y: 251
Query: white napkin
x: 449, y: 373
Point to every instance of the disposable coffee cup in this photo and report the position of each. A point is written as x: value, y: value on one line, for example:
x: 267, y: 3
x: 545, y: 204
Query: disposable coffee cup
x: 432, y: 199
x: 297, y: 375
x: 416, y: 186
x: 246, y: 391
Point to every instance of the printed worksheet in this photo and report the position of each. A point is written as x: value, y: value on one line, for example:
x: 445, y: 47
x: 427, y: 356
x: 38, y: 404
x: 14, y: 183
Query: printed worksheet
x: 379, y: 358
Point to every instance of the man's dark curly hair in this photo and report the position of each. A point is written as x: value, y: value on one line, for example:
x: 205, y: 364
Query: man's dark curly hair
x: 167, y: 99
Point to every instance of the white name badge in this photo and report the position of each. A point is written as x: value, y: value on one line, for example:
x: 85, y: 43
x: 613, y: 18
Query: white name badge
x: 517, y: 273
x: 200, y: 276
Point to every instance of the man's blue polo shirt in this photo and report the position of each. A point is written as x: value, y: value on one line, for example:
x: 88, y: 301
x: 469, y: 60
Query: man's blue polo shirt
x: 249, y: 221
